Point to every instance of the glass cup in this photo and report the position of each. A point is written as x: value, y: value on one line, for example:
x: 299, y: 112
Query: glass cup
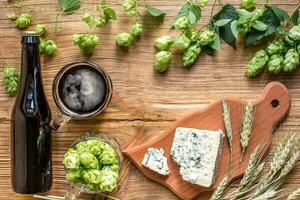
x: 65, y: 113
x: 80, y: 192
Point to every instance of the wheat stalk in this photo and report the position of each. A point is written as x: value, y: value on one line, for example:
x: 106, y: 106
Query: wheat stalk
x: 251, y: 168
x: 227, y: 123
x: 294, y: 195
x: 246, y: 127
x: 267, y: 195
x: 217, y: 195
x: 282, y: 162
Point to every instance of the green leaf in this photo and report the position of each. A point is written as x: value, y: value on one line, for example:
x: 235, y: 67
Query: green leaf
x: 222, y: 22
x: 193, y: 12
x: 69, y: 6
x: 216, y: 44
x: 234, y: 28
x: 227, y: 12
x: 282, y: 15
x: 258, y: 25
x: 272, y: 18
x: 156, y: 13
x: 109, y: 13
x: 210, y: 51
x: 295, y: 17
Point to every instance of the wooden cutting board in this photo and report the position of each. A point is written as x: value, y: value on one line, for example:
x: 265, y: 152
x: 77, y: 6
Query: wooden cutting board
x: 270, y: 109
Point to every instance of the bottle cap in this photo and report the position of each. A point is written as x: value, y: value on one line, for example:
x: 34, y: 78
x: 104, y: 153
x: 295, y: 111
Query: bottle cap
x: 30, y: 37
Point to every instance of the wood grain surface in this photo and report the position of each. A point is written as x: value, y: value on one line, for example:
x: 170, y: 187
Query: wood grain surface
x: 144, y: 103
x: 266, y: 118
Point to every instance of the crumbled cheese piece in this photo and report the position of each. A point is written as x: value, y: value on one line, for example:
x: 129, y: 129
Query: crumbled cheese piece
x: 155, y: 160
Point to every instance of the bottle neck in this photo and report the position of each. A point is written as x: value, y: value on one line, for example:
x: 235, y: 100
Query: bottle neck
x: 30, y: 58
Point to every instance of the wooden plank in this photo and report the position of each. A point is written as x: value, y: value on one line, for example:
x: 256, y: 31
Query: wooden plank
x: 142, y: 98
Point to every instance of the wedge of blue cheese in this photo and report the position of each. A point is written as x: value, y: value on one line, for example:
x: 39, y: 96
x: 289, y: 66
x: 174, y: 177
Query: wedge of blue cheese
x: 197, y: 152
x: 155, y: 160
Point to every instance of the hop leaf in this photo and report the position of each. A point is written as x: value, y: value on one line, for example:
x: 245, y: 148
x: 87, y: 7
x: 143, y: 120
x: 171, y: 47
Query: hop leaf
x: 137, y: 29
x: 191, y: 54
x: 275, y: 64
x: 163, y: 43
x: 86, y: 42
x: 124, y: 39
x: 248, y: 4
x: 276, y: 47
x: 69, y: 6
x: 182, y: 42
x: 162, y: 61
x: 41, y: 29
x: 257, y: 63
x: 23, y: 21
x: 291, y: 60
x: 11, y: 80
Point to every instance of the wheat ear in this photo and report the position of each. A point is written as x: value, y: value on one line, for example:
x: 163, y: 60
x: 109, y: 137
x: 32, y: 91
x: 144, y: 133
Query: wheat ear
x: 227, y: 123
x: 246, y: 127
x: 219, y: 191
x: 294, y: 195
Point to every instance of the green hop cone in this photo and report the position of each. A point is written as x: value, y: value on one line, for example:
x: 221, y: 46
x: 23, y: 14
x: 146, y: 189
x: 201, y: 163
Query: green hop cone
x: 298, y: 49
x: 130, y: 6
x: 257, y: 63
x: 100, y: 22
x: 74, y: 175
x: 92, y: 176
x: 162, y: 61
x: 291, y: 60
x: 81, y: 147
x: 41, y: 29
x: 86, y: 42
x: 294, y: 33
x: 137, y: 29
x: 108, y: 157
x: 288, y: 41
x: 12, y: 16
x: 88, y: 19
x: 11, y: 80
x: 109, y: 179
x: 124, y: 39
x: 92, y: 187
x: 163, y: 43
x: 94, y: 146
x: 182, y: 42
x: 114, y: 167
x: 71, y: 160
x: 191, y: 54
x: 89, y: 161
x: 49, y: 47
x: 182, y: 23
x: 202, y: 3
x: 275, y: 64
x: 248, y: 4
x: 276, y: 47
x: 193, y: 34
x: 206, y: 37
x: 23, y: 21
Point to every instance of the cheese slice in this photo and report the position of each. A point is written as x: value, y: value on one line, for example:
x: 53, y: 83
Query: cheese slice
x: 197, y: 152
x: 155, y: 160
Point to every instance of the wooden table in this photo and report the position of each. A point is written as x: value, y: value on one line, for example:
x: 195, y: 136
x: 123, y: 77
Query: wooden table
x: 144, y: 103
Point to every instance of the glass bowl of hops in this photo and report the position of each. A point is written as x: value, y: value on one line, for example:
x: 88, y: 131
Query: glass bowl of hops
x: 92, y: 165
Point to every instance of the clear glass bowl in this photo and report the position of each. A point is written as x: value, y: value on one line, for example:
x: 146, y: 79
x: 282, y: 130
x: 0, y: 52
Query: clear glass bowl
x: 79, y: 191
